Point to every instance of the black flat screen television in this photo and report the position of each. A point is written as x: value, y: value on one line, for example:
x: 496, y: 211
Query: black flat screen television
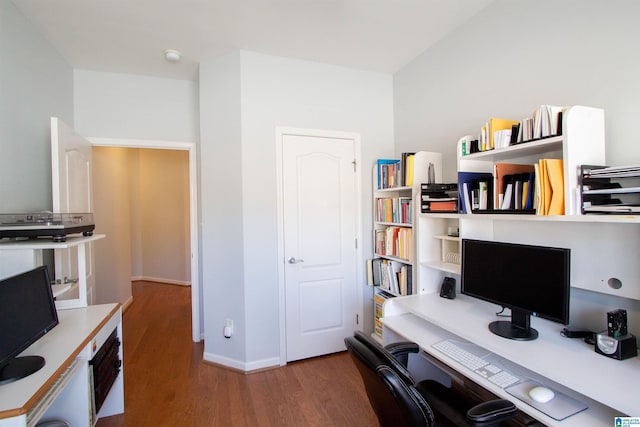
x: 529, y: 280
x: 27, y: 312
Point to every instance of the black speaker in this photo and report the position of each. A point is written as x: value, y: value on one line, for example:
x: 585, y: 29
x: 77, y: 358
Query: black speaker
x: 448, y: 288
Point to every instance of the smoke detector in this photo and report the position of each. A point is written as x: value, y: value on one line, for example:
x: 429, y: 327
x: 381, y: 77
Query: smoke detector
x: 172, y: 55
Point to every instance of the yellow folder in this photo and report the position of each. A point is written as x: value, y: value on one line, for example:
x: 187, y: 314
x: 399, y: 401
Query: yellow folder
x: 545, y: 188
x: 556, y: 180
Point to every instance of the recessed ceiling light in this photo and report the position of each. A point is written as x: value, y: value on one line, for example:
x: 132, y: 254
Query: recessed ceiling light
x: 172, y: 55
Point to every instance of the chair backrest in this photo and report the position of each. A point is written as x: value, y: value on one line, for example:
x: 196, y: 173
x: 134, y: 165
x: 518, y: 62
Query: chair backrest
x: 389, y: 385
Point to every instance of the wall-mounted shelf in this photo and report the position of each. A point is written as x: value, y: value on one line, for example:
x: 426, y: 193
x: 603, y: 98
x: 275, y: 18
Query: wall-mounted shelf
x: 619, y: 219
x: 603, y: 247
x: 68, y: 295
x: 47, y: 243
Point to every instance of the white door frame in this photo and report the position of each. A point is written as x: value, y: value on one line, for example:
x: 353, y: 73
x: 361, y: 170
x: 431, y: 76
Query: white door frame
x: 280, y: 133
x: 193, y: 210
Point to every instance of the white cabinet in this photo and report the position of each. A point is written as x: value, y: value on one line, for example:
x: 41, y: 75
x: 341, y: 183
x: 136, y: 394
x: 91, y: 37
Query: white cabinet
x: 63, y: 388
x: 19, y: 256
x: 438, y: 249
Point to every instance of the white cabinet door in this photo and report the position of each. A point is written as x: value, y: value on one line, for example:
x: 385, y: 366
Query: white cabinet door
x: 71, y: 190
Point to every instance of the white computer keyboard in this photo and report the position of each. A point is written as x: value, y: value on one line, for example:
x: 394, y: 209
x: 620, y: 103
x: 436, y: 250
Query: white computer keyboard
x: 460, y: 355
x: 477, y: 364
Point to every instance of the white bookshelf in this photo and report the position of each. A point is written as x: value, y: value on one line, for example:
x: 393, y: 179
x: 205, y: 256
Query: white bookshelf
x: 422, y: 160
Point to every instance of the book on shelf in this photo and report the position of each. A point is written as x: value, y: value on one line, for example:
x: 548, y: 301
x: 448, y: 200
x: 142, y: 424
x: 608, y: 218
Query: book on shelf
x: 389, y: 274
x: 497, y: 133
x: 379, y: 298
x: 501, y: 127
x: 475, y: 189
x: 392, y: 276
x: 394, y: 209
x: 395, y: 242
x: 405, y: 282
x: 406, y: 166
x: 374, y: 272
x: 388, y: 171
x: 547, y: 121
x: 394, y: 173
x: 514, y: 186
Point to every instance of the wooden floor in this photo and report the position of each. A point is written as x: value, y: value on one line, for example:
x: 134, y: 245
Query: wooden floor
x: 168, y: 384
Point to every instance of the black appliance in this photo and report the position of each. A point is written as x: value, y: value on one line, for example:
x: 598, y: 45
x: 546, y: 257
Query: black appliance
x: 105, y: 367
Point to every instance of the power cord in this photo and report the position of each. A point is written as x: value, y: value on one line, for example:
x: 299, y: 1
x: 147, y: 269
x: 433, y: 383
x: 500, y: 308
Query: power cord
x: 499, y: 314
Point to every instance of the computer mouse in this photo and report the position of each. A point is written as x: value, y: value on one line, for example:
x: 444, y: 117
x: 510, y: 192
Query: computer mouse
x: 541, y: 394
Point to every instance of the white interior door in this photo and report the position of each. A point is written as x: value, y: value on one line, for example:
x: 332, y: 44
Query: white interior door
x: 319, y: 220
x: 71, y: 191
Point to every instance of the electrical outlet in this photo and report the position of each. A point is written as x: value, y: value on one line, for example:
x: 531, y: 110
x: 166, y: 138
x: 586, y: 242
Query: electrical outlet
x: 228, y: 328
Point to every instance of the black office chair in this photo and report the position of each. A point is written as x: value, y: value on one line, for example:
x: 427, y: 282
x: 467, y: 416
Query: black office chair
x: 398, y: 401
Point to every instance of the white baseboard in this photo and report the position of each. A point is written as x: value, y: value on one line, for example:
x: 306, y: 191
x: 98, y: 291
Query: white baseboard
x: 161, y: 280
x: 273, y: 362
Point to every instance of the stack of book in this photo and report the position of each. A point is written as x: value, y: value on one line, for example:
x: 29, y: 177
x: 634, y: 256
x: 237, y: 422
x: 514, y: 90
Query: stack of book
x: 392, y: 276
x: 393, y: 210
x: 394, y: 173
x: 544, y: 122
x: 610, y: 190
x: 394, y: 242
x: 379, y: 299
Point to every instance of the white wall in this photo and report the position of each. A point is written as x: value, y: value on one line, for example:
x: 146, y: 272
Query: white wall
x: 514, y: 56
x: 221, y: 207
x: 35, y: 84
x: 112, y: 105
x: 509, y: 59
x: 113, y: 174
x: 163, y: 206
x: 269, y: 92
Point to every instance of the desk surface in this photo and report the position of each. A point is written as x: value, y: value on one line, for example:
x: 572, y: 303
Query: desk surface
x: 568, y: 362
x: 59, y: 348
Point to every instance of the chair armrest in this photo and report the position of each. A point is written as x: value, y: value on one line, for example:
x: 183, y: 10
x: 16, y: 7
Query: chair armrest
x: 400, y: 350
x: 491, y: 412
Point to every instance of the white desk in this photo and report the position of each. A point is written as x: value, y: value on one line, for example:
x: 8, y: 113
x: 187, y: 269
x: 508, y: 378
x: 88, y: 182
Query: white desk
x: 610, y: 387
x: 62, y: 388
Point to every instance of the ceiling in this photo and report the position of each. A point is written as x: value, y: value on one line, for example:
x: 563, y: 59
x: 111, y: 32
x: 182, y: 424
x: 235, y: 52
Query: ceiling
x: 130, y: 36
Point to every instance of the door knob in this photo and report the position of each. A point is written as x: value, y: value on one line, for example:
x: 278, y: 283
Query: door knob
x: 294, y: 260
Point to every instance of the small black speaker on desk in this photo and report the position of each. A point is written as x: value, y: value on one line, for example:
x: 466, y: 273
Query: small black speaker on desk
x: 448, y: 288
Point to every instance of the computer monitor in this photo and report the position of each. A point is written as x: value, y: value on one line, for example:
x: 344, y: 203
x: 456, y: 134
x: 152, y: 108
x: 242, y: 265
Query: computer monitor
x: 529, y: 280
x: 27, y: 312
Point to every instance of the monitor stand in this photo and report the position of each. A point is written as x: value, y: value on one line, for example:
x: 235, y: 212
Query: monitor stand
x: 517, y: 329
x: 20, y: 367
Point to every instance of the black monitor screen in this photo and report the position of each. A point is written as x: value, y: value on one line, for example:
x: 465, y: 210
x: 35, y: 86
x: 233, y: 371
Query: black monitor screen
x: 27, y: 312
x: 530, y: 280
